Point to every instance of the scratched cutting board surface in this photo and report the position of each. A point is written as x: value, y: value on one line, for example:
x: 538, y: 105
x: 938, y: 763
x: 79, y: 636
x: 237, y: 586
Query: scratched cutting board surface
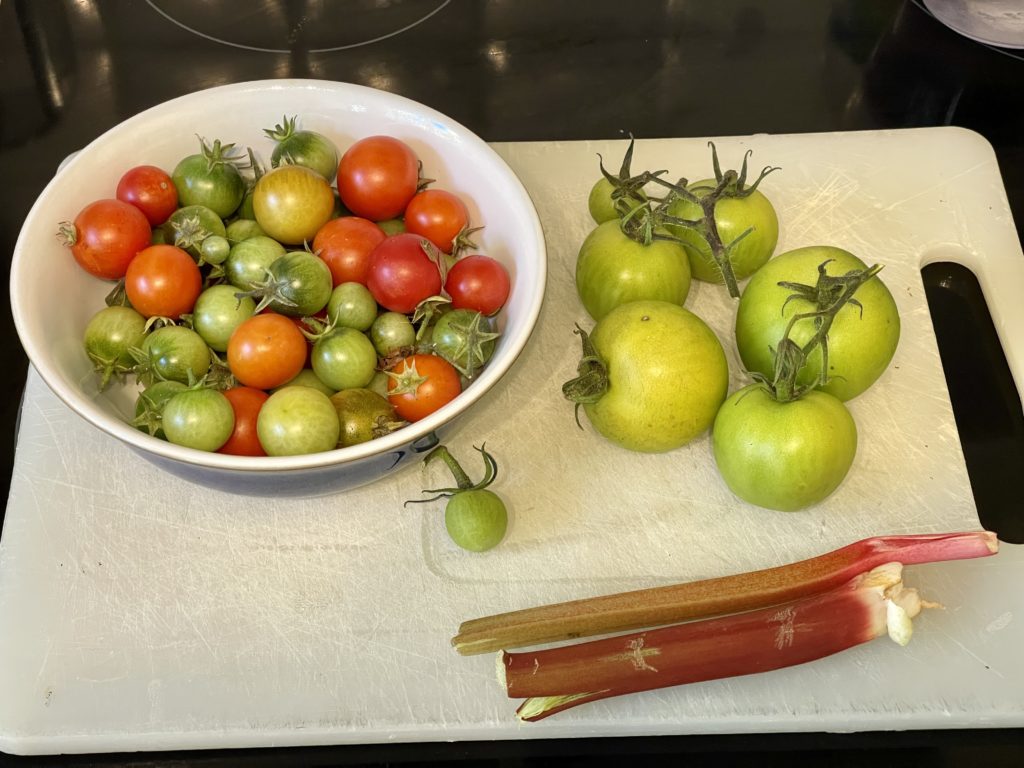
x: 138, y: 611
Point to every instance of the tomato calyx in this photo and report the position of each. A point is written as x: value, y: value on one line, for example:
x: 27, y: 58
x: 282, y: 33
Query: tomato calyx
x: 828, y: 295
x: 408, y: 380
x: 219, y: 154
x: 463, y: 241
x: 427, y: 311
x: 591, y: 381
x: 421, y: 181
x: 462, y: 480
x: 67, y: 233
x: 472, y: 348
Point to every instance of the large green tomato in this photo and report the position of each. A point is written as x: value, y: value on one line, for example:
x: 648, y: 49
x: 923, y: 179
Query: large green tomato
x: 783, y: 456
x: 733, y: 217
x: 861, y: 342
x: 667, y: 376
x: 613, y: 269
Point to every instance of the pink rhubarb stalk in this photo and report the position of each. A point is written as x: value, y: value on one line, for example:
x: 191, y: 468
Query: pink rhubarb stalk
x: 710, y: 597
x: 867, y: 606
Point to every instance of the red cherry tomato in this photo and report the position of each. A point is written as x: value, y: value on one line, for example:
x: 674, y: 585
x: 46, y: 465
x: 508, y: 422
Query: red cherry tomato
x: 151, y: 190
x: 438, y: 215
x: 246, y: 402
x: 345, y: 245
x: 479, y: 283
x: 105, y: 237
x: 421, y: 384
x: 266, y: 351
x: 163, y: 281
x: 377, y: 177
x: 402, y: 274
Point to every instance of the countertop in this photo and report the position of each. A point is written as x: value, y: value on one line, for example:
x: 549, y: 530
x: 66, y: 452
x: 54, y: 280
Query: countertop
x: 528, y: 71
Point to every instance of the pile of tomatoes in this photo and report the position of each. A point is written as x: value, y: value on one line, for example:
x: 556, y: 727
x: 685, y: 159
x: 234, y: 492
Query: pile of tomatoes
x: 319, y: 304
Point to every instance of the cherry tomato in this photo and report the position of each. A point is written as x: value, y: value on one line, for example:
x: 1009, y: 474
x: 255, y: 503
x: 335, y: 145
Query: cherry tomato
x: 345, y: 245
x: 291, y: 203
x: 105, y: 237
x: 479, y: 283
x: 266, y: 351
x: 377, y: 177
x: 438, y: 215
x: 163, y: 281
x: 420, y: 384
x: 246, y: 402
x: 403, y: 272
x: 151, y: 190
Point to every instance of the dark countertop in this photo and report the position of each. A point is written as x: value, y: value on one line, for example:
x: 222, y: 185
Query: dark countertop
x: 535, y: 70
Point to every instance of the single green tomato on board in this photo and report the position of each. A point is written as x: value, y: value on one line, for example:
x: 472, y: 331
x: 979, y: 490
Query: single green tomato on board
x: 861, y: 342
x: 784, y: 456
x: 613, y: 269
x: 657, y: 378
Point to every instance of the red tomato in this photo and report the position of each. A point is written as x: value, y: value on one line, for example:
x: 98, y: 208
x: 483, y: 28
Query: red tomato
x: 163, y: 281
x: 403, y: 272
x: 377, y: 177
x: 438, y: 215
x: 246, y: 402
x: 421, y: 385
x: 479, y: 283
x: 266, y: 351
x: 345, y: 245
x: 151, y: 190
x: 105, y: 237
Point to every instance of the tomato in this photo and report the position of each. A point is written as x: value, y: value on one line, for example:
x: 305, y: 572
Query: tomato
x: 613, y: 269
x: 210, y: 178
x: 783, y: 456
x: 249, y: 260
x: 109, y: 337
x: 174, y: 353
x: 151, y: 190
x: 404, y: 270
x: 246, y: 403
x: 363, y: 415
x: 291, y: 203
x: 105, y: 237
x: 297, y: 284
x: 218, y: 312
x: 377, y: 177
x: 600, y: 203
x: 307, y: 378
x: 479, y: 283
x: 266, y: 350
x: 344, y: 358
x: 298, y: 420
x: 391, y: 333
x: 438, y: 215
x: 664, y: 375
x: 465, y: 339
x: 420, y: 384
x: 861, y: 342
x: 306, y: 148
x: 190, y: 227
x: 163, y: 281
x: 149, y: 406
x: 733, y: 217
x: 242, y: 229
x: 352, y: 306
x: 345, y: 245
x: 198, y: 418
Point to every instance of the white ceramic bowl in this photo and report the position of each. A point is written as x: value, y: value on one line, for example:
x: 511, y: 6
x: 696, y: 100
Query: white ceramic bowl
x: 53, y: 299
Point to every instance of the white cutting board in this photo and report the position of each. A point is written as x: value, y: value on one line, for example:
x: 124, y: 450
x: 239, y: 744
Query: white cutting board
x: 140, y: 612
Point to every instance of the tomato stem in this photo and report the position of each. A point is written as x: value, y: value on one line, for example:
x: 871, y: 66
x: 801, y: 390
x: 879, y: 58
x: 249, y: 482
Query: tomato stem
x: 463, y: 481
x: 591, y: 382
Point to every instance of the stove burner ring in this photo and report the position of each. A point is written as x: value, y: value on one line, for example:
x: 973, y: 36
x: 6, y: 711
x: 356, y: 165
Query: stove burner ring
x: 440, y: 7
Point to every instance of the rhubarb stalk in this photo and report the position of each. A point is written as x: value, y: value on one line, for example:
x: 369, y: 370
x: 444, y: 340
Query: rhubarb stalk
x: 869, y: 605
x: 729, y: 594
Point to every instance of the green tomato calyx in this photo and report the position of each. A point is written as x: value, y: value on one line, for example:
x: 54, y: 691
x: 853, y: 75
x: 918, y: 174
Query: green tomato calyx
x: 591, y: 382
x: 285, y: 130
x: 471, y: 350
x: 220, y: 155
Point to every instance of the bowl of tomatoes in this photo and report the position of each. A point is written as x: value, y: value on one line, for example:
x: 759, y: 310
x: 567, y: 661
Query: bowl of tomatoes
x: 285, y: 287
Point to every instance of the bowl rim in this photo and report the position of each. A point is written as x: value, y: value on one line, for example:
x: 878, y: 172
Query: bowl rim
x: 338, y: 457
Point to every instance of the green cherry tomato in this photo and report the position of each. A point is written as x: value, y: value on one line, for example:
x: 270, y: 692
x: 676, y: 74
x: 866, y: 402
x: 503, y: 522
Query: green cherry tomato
x: 109, y: 338
x: 242, y: 229
x: 476, y: 519
x: 198, y: 418
x: 209, y: 178
x: 298, y: 420
x: 249, y: 260
x: 352, y: 306
x: 392, y: 332
x: 307, y: 378
x: 861, y: 342
x: 363, y: 415
x: 298, y: 284
x: 783, y: 456
x: 174, y: 352
x: 302, y: 147
x: 149, y: 406
x: 613, y: 269
x: 344, y: 358
x: 218, y: 312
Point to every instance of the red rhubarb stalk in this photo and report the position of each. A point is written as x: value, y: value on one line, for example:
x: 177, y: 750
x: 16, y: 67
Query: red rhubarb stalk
x: 710, y: 597
x: 868, y: 606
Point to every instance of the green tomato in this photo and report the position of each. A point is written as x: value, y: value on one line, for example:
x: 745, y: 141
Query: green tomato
x: 175, y: 352
x: 306, y: 148
x: 351, y: 305
x: 307, y: 378
x: 198, y: 418
x: 613, y: 269
x: 249, y: 260
x: 149, y: 406
x: 242, y: 229
x: 218, y: 311
x: 297, y: 420
x: 109, y: 338
x: 344, y: 358
x: 392, y: 226
x: 600, y: 203
x: 391, y: 332
x: 190, y: 227
x: 666, y: 372
x: 783, y: 456
x: 861, y: 341
x: 209, y: 178
x: 733, y: 217
x: 363, y: 415
x: 464, y: 338
x: 215, y: 249
x: 476, y: 519
x: 299, y: 285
